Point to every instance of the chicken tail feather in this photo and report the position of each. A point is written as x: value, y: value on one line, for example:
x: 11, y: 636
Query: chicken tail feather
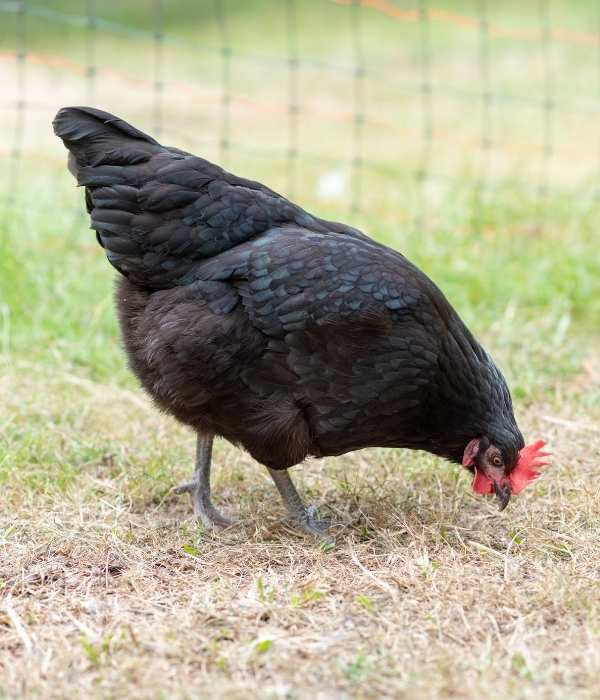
x: 93, y: 136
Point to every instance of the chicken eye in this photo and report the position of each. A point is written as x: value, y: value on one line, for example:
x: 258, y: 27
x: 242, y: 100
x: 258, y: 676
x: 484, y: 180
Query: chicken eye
x: 497, y: 461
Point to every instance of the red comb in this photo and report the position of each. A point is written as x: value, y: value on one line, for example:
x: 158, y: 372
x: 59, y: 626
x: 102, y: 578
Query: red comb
x: 531, y: 460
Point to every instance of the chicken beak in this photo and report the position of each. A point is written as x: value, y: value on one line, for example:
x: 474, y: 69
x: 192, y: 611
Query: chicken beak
x: 502, y: 494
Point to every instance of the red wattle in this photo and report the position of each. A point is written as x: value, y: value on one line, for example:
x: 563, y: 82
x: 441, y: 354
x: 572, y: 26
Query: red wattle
x: 481, y: 484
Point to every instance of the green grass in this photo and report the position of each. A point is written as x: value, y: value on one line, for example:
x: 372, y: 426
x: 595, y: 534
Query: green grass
x: 107, y: 586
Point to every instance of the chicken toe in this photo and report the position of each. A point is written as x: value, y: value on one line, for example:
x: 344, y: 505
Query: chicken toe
x: 310, y: 523
x: 303, y: 517
x: 199, y: 486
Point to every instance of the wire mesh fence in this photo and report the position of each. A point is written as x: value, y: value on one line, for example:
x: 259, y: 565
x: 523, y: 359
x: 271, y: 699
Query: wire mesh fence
x: 371, y: 104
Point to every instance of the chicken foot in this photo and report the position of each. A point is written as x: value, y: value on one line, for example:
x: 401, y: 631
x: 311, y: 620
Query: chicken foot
x: 199, y: 486
x: 302, y: 516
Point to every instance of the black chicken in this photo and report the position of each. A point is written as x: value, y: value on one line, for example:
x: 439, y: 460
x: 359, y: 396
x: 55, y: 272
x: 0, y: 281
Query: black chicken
x: 247, y: 317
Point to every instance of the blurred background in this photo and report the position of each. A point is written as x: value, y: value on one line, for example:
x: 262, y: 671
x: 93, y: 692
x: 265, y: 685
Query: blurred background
x: 366, y: 103
x: 465, y: 133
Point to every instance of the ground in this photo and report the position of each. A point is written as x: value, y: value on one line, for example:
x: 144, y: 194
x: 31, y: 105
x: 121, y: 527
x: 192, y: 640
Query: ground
x: 108, y: 588
x: 430, y: 594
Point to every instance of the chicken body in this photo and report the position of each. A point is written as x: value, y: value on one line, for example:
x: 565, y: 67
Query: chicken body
x: 247, y: 317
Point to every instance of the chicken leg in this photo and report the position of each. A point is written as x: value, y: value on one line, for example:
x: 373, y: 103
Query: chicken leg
x: 199, y: 486
x: 304, y: 517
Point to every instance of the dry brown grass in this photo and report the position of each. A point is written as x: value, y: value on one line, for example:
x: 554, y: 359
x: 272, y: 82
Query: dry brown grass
x: 110, y: 590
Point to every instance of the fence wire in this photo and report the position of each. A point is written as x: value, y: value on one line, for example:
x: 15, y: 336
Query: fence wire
x: 90, y: 51
x: 159, y: 77
x: 548, y: 106
x: 422, y: 172
x: 486, y: 129
x: 359, y: 105
x: 226, y: 52
x: 293, y: 92
x: 20, y: 56
x: 362, y: 138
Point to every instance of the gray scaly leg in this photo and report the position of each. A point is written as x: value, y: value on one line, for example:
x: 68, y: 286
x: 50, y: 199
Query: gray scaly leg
x: 199, y: 486
x: 305, y: 518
